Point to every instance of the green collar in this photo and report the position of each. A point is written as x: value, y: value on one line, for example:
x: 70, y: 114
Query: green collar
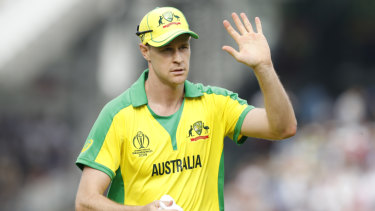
x: 138, y: 92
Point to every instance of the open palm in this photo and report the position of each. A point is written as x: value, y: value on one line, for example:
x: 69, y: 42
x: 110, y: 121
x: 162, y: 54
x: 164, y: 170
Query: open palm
x: 253, y: 50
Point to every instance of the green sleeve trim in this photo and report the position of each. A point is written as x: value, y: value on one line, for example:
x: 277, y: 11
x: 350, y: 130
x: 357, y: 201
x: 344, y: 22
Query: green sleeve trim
x: 81, y: 162
x: 237, y: 129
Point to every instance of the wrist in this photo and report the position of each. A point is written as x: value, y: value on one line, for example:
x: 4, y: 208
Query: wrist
x: 263, y: 68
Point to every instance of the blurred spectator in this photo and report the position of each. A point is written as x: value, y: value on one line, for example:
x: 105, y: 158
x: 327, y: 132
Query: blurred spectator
x: 329, y: 165
x: 30, y: 149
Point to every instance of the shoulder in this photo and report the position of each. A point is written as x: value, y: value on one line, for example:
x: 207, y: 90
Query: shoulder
x: 218, y: 92
x: 114, y: 106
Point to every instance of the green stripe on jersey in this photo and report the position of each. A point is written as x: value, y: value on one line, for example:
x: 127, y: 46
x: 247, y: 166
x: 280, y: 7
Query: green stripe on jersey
x: 221, y: 182
x: 220, y: 91
x: 99, y: 131
x: 170, y: 123
x: 116, y: 192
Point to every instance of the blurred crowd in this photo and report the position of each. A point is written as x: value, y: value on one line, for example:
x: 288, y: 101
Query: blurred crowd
x: 328, y: 166
x: 27, y: 158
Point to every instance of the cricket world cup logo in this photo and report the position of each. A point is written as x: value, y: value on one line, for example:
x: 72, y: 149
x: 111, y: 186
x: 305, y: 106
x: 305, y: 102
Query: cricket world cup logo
x: 140, y: 141
x: 141, y: 144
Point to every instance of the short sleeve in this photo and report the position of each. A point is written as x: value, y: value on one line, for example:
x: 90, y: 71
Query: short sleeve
x: 235, y: 111
x: 101, y: 150
x: 230, y: 110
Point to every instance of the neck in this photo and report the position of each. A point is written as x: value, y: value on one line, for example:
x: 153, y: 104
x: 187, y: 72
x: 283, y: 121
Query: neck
x: 164, y: 99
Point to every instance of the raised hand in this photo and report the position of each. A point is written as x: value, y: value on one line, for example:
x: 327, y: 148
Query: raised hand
x: 253, y: 47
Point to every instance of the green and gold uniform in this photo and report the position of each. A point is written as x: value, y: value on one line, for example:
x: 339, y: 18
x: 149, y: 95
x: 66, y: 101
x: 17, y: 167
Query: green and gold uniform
x: 148, y: 156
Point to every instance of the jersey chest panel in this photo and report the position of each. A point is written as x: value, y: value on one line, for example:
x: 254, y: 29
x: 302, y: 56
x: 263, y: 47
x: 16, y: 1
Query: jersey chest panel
x: 150, y: 166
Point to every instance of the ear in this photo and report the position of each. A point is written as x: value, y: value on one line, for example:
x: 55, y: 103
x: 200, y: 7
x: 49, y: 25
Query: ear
x: 145, y: 50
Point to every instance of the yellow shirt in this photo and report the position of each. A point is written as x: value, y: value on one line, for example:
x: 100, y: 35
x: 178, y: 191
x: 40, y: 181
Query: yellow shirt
x: 147, y: 160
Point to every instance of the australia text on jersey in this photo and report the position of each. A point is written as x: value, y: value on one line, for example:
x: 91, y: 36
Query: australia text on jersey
x: 178, y: 165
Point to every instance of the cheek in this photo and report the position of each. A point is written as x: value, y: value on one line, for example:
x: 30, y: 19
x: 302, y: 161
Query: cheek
x: 156, y: 59
x: 160, y: 64
x: 187, y: 58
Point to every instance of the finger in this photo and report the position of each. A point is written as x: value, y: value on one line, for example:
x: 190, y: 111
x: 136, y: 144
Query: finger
x: 247, y: 23
x: 258, y: 25
x: 230, y: 50
x: 233, y: 33
x: 238, y: 23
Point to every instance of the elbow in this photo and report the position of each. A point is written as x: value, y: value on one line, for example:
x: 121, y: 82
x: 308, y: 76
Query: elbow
x: 287, y: 131
x: 290, y: 131
x: 80, y: 203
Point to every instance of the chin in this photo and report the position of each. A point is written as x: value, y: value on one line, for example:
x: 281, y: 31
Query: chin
x: 178, y: 82
x: 178, y: 79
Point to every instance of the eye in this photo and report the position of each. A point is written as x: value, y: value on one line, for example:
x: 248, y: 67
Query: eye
x: 167, y: 49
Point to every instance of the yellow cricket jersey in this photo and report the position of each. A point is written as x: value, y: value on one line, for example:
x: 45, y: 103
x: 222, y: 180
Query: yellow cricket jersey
x: 147, y: 158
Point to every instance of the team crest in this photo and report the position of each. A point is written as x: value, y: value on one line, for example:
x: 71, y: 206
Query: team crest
x: 141, y: 143
x: 198, y: 127
x: 168, y: 16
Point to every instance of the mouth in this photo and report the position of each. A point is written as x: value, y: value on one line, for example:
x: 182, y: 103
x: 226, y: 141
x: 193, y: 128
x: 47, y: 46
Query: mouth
x: 178, y: 71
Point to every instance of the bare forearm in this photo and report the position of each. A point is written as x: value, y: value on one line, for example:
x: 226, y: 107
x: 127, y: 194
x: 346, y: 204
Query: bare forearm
x: 277, y: 120
x: 280, y: 113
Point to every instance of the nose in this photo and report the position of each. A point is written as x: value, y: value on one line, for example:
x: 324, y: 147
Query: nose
x: 177, y: 57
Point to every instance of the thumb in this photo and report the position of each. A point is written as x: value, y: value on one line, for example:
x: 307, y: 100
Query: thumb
x: 230, y: 50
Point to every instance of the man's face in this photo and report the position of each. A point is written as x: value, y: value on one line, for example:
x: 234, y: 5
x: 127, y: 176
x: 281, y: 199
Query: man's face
x: 170, y: 63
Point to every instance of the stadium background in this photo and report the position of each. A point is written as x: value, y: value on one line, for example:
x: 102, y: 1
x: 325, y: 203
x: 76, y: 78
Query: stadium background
x: 62, y: 60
